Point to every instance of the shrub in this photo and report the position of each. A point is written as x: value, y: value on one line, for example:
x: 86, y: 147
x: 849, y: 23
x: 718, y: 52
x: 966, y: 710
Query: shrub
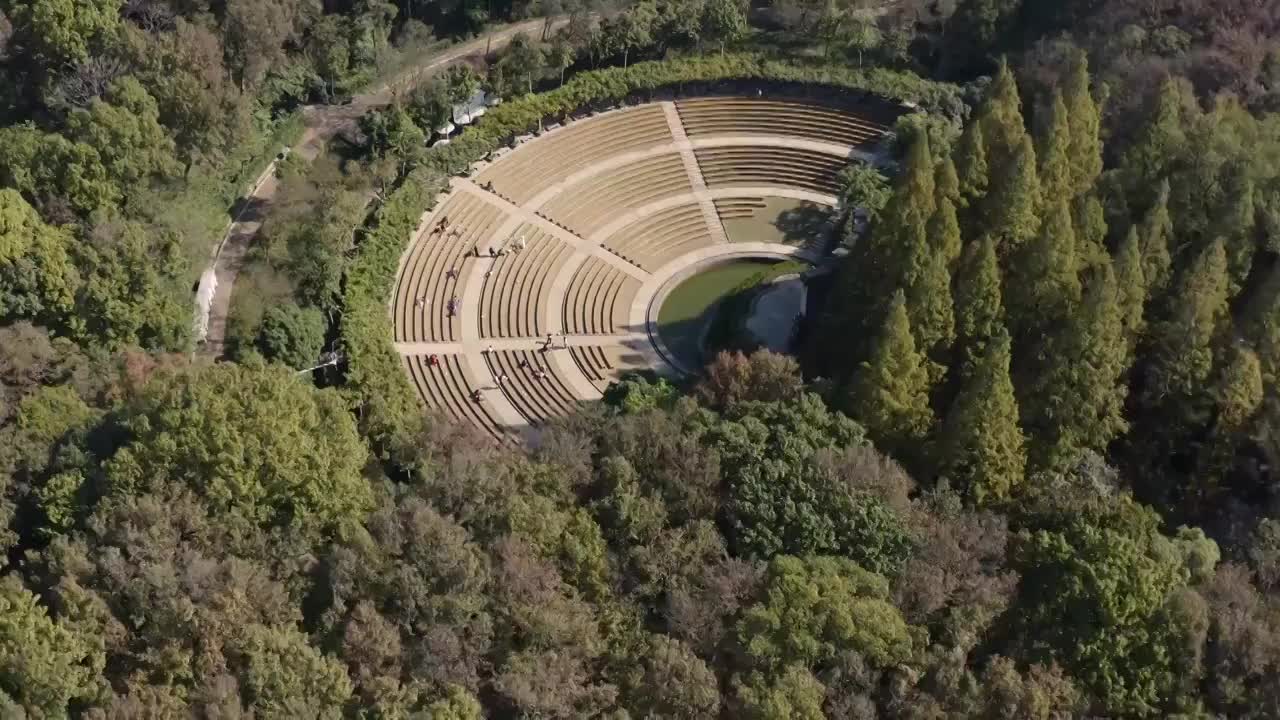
x: 292, y: 335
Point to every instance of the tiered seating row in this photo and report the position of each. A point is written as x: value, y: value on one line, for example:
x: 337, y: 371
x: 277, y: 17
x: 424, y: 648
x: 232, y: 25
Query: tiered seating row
x: 746, y: 165
x: 425, y: 285
x: 744, y: 116
x: 656, y: 240
x: 598, y: 300
x: 590, y: 202
x: 517, y: 290
x: 739, y: 208
x: 522, y: 175
x: 594, y: 363
x: 537, y: 399
x: 448, y: 388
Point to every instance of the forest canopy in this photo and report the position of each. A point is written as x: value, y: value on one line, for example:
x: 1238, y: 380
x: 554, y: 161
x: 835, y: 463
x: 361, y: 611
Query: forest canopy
x: 1023, y: 465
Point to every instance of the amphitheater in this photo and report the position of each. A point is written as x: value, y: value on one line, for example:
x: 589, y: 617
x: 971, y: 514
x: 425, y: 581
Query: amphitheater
x: 535, y: 281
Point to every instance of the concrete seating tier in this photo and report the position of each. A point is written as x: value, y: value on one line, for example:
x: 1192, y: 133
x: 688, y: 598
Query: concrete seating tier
x: 727, y: 166
x: 425, y: 273
x: 594, y: 362
x: 735, y: 208
x: 447, y: 387
x: 537, y: 400
x: 521, y: 175
x: 590, y: 202
x: 517, y: 290
x: 598, y: 299
x: 745, y: 116
x: 654, y: 241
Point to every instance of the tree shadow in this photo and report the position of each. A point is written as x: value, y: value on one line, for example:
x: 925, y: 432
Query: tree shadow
x: 250, y: 209
x: 807, y: 224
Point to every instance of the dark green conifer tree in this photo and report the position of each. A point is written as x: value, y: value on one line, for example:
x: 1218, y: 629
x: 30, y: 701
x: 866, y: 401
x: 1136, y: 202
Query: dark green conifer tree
x: 944, y: 232
x: 1263, y: 326
x: 1237, y: 227
x: 1131, y: 287
x: 889, y: 393
x: 903, y: 229
x: 972, y: 168
x: 1043, y: 281
x: 1053, y: 150
x: 1181, y: 354
x: 1147, y: 161
x: 1003, y: 127
x: 932, y: 313
x: 1089, y: 219
x: 1156, y: 233
x: 1085, y: 121
x: 1009, y: 214
x: 979, y: 307
x: 1076, y: 401
x: 888, y: 258
x: 981, y: 447
x: 947, y: 181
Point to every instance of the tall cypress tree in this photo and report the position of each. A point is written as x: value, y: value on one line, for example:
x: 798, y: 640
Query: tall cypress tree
x: 972, y: 168
x: 947, y: 181
x: 979, y: 307
x: 1157, y: 231
x: 1010, y: 208
x: 887, y: 258
x: 1264, y: 327
x: 1181, y: 355
x: 1053, y: 149
x: 1090, y: 222
x: 1158, y: 144
x: 1237, y: 228
x: 1043, y: 282
x: 1076, y: 402
x: 1237, y: 395
x: 1131, y: 287
x: 932, y: 313
x: 905, y: 223
x: 1003, y: 127
x: 981, y: 446
x: 944, y: 232
x: 1085, y: 121
x: 889, y: 393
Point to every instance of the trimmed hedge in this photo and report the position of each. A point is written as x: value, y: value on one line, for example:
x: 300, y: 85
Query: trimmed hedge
x: 389, y: 413
x: 388, y: 410
x: 609, y: 87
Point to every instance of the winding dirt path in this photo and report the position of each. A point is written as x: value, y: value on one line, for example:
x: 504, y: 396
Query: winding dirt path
x: 323, y: 123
